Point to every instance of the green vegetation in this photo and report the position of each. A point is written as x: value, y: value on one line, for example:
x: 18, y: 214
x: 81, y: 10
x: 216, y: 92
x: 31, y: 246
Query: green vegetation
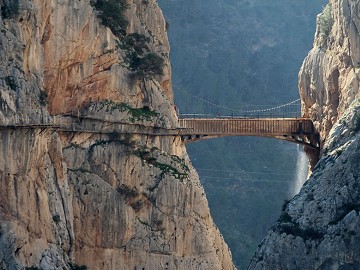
x: 139, y: 58
x: 136, y: 114
x: 10, y: 9
x: 150, y: 65
x: 147, y: 155
x: 99, y: 143
x: 112, y: 15
x: 56, y: 218
x: 181, y: 162
x: 170, y: 170
x: 136, y: 43
x: 325, y: 21
x: 140, y: 114
x: 43, y: 98
x: 125, y: 140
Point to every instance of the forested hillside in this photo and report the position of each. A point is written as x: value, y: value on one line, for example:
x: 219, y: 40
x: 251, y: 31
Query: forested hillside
x: 236, y: 54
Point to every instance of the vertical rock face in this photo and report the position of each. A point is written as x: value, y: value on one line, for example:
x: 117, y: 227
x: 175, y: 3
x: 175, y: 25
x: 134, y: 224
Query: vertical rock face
x: 107, y: 200
x: 329, y: 77
x: 319, y: 228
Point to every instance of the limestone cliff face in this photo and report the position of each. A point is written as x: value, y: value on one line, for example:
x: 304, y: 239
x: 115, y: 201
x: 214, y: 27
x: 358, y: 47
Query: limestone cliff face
x: 319, y: 228
x: 329, y: 77
x: 105, y: 195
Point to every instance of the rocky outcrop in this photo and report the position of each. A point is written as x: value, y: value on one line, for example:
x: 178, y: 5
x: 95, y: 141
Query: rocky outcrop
x: 89, y: 196
x: 319, y: 227
x: 329, y: 77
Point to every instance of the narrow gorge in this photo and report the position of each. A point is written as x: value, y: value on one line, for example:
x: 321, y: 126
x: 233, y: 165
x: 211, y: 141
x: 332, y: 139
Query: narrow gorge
x: 83, y: 184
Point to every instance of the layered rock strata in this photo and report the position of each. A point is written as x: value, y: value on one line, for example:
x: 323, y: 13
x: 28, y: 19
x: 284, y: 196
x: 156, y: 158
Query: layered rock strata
x: 91, y: 196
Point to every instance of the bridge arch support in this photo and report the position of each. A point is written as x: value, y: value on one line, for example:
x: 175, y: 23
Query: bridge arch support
x: 296, y: 130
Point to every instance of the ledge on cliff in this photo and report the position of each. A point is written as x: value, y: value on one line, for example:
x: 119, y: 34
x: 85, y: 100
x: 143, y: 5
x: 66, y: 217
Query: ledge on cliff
x: 100, y: 200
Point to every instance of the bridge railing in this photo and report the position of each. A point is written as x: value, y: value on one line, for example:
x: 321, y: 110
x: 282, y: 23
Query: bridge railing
x: 247, y: 126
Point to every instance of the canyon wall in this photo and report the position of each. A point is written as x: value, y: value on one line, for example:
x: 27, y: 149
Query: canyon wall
x: 329, y: 77
x: 319, y: 227
x: 89, y: 196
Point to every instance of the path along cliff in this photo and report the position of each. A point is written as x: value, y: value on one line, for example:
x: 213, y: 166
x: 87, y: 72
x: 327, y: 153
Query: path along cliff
x: 319, y: 228
x: 106, y: 201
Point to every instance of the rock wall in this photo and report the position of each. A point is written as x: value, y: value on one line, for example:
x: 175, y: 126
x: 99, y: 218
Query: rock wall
x: 107, y: 200
x: 319, y: 227
x: 329, y: 77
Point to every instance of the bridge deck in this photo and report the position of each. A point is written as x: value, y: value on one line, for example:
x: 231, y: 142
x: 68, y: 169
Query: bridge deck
x: 298, y: 130
x: 246, y: 126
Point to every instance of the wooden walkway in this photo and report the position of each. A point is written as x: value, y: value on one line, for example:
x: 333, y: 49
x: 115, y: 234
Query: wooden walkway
x: 297, y: 130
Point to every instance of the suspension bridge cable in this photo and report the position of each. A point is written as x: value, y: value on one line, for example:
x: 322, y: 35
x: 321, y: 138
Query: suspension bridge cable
x: 209, y: 102
x: 237, y: 110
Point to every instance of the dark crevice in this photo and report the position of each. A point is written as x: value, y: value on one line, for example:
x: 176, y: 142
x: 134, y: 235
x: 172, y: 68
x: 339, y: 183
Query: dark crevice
x: 334, y: 97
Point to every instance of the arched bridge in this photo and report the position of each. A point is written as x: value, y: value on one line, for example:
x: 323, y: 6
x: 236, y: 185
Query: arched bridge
x: 210, y: 120
x: 297, y: 130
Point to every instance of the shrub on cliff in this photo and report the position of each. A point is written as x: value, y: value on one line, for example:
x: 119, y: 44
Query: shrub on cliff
x: 325, y: 21
x: 43, y: 96
x: 136, y: 43
x: 139, y: 58
x: 112, y: 14
x: 147, y: 66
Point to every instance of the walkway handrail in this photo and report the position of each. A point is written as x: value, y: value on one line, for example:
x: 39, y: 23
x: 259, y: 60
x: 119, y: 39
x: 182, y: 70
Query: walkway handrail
x: 298, y: 130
